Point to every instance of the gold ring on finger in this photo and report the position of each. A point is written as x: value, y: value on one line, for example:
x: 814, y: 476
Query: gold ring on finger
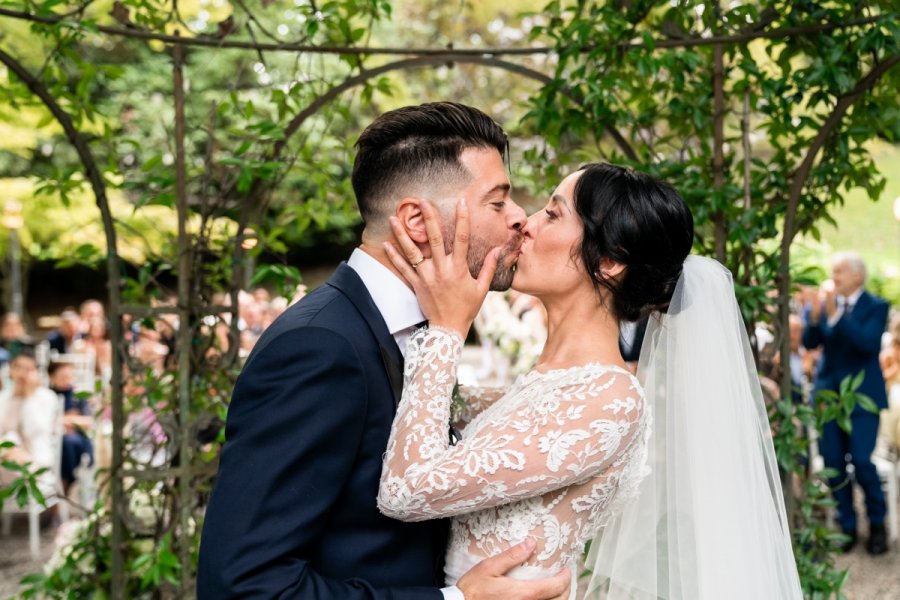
x: 420, y: 261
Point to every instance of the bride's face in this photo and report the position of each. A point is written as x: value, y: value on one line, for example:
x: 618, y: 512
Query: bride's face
x: 549, y: 262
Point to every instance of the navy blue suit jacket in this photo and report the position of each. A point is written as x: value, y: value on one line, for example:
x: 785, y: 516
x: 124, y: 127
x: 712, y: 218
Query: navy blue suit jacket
x: 293, y: 513
x: 851, y: 346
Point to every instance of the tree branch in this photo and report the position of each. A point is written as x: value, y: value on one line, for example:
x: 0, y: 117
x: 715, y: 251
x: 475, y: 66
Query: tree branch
x: 425, y: 61
x: 798, y: 181
x: 214, y: 42
x: 840, y: 109
x: 113, y: 274
x: 718, y: 167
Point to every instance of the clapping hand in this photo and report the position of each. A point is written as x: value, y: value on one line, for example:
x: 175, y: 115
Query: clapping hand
x: 448, y: 294
x: 827, y: 298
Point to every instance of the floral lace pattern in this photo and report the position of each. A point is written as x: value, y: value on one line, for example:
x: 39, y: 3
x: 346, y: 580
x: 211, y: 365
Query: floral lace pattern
x: 474, y: 402
x: 552, y: 459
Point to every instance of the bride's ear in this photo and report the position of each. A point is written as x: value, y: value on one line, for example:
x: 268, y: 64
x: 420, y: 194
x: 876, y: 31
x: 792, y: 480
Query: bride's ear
x: 409, y: 211
x: 610, y: 269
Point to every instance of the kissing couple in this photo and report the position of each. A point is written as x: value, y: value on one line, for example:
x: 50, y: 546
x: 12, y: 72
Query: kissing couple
x: 342, y: 476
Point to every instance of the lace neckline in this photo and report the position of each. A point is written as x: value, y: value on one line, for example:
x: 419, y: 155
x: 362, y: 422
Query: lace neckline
x: 586, y: 366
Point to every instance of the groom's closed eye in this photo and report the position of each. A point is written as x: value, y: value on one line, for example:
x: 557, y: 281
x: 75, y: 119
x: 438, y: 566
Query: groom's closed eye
x: 498, y: 194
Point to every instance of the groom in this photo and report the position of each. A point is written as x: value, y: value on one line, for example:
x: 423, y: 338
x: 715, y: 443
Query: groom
x: 293, y: 512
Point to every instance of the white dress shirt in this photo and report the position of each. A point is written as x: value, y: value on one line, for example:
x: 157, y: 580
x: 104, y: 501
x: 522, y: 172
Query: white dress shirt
x: 844, y: 301
x: 627, y: 331
x: 394, y: 300
x: 401, y: 313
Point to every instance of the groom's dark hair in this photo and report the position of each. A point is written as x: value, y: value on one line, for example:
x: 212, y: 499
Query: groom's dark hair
x: 414, y: 151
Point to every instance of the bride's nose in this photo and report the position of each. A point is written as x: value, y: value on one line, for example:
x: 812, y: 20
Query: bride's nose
x: 528, y: 229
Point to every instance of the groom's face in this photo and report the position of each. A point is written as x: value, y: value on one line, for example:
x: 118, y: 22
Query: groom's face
x: 495, y: 220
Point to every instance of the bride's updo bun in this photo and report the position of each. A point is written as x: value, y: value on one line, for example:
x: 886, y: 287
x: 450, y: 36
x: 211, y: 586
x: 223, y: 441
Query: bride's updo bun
x: 640, y: 222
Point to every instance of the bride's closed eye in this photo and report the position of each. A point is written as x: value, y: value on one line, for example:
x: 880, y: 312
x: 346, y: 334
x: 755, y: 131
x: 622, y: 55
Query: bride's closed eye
x: 551, y: 215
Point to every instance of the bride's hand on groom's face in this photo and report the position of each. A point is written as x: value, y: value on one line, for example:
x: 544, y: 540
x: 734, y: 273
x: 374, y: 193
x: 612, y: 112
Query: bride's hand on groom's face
x: 487, y: 580
x: 448, y: 294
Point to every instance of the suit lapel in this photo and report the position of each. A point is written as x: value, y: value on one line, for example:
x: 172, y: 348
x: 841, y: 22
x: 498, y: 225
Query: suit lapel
x: 394, y: 372
x: 348, y: 283
x: 862, y: 303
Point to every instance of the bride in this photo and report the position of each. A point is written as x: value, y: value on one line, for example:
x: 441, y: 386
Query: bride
x: 669, y: 475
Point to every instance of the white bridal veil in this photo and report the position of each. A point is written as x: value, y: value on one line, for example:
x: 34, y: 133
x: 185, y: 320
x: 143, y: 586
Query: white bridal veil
x: 709, y: 521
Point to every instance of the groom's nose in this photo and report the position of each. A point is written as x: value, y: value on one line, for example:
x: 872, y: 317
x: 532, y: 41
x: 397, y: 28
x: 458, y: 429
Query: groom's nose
x: 516, y: 218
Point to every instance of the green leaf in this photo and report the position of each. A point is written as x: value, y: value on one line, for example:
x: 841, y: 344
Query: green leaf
x: 867, y: 403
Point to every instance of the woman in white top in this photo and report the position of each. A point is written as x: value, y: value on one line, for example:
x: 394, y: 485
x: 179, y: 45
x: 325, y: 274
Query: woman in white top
x: 564, y: 453
x: 30, y: 418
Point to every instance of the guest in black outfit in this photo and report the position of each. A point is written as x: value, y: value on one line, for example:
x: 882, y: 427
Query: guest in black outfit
x: 69, y: 330
x: 631, y: 338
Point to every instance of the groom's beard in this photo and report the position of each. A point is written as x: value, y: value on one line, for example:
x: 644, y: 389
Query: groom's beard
x: 479, y: 248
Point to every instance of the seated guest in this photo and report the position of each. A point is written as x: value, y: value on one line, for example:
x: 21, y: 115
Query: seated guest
x: 29, y: 417
x: 95, y: 342
x: 89, y: 311
x: 63, y: 339
x: 11, y: 329
x: 76, y: 421
x: 149, y: 350
x: 890, y: 355
x: 890, y: 368
x: 803, y: 361
x: 12, y: 337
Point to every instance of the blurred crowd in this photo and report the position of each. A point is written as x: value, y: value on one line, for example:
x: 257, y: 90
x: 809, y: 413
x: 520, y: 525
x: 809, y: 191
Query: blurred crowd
x: 54, y: 384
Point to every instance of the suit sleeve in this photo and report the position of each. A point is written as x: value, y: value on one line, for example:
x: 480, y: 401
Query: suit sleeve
x: 812, y: 333
x: 292, y: 432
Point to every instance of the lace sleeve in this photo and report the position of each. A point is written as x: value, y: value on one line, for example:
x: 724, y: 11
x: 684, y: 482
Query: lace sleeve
x: 549, y: 435
x: 472, y: 402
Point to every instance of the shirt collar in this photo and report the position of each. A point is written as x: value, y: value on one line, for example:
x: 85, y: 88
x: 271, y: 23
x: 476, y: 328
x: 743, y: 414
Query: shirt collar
x: 393, y: 299
x: 853, y: 298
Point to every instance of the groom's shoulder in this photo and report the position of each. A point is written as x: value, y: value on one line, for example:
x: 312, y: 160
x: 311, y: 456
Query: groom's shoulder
x: 322, y: 315
x: 325, y: 307
x: 878, y: 300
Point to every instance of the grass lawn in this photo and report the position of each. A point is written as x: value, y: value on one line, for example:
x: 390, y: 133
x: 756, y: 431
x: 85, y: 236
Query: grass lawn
x: 870, y: 227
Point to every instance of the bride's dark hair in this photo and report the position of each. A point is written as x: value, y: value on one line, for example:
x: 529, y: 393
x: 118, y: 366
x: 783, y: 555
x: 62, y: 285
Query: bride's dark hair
x: 638, y: 221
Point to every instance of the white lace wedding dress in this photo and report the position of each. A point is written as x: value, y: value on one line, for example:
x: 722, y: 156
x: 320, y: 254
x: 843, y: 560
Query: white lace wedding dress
x: 551, y: 458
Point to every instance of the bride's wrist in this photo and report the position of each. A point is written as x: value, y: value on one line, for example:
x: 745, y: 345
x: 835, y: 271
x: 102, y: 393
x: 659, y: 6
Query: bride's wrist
x: 457, y: 328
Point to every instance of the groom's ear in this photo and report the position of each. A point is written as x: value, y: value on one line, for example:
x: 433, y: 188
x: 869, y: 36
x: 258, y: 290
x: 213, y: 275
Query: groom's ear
x: 610, y: 269
x: 409, y: 211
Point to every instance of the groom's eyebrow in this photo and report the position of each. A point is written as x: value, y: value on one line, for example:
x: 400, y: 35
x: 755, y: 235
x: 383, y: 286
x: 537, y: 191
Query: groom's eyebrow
x: 501, y: 190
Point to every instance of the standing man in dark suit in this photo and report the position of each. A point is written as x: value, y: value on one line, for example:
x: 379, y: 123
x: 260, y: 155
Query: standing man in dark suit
x: 848, y: 322
x: 631, y: 338
x: 293, y: 512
